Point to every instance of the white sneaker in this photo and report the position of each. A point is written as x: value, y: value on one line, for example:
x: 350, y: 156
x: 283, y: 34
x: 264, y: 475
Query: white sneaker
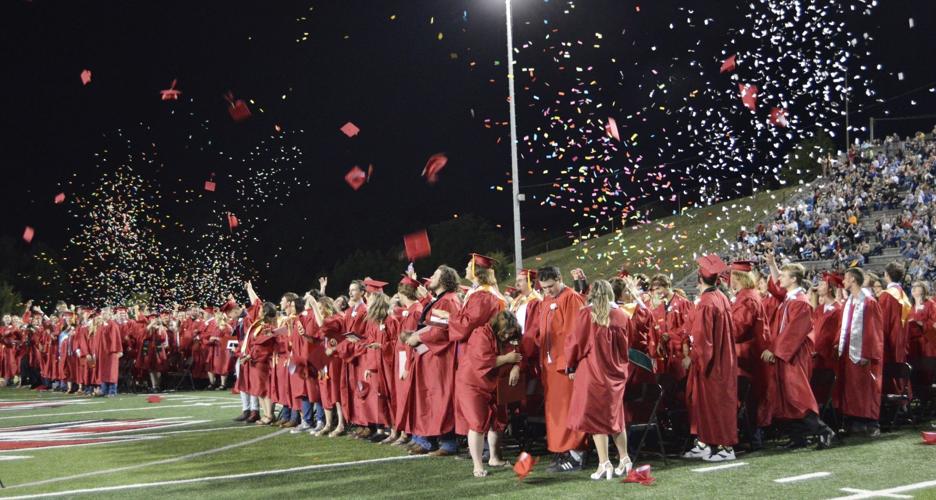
x: 304, y: 426
x: 698, y: 452
x: 720, y: 455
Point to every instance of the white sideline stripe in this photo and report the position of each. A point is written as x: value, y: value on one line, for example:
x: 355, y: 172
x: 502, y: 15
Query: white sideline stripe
x: 142, y: 408
x: 719, y: 467
x: 219, y: 478
x: 856, y: 490
x: 804, y: 477
x: 147, y: 464
x: 889, y: 491
x: 13, y: 457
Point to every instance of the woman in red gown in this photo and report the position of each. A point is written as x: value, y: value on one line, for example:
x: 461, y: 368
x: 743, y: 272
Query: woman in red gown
x: 476, y: 408
x: 326, y: 327
x: 260, y: 344
x: 920, y: 328
x: 596, y: 353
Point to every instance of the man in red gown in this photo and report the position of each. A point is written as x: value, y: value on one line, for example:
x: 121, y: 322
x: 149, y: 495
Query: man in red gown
x: 558, y: 314
x: 110, y: 352
x: 790, y: 396
x: 895, y: 310
x: 860, y: 352
x: 712, y: 384
x: 672, y: 317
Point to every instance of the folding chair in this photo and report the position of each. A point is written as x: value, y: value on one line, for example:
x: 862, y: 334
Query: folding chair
x: 892, y: 405
x: 650, y: 394
x: 822, y: 381
x: 745, y: 423
x: 186, y: 374
x: 924, y: 388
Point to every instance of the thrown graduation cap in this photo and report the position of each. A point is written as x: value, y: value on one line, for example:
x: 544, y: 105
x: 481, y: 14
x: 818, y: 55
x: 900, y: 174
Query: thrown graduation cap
x: 86, y: 76
x: 524, y: 465
x: 434, y: 165
x: 232, y: 220
x: 349, y: 129
x: 611, y: 129
x: 356, y: 177
x: 778, y: 117
x: 238, y: 108
x: 170, y: 94
x: 728, y: 64
x: 748, y: 95
x: 210, y: 186
x: 59, y: 198
x: 28, y: 234
x: 417, y: 245
x: 640, y: 359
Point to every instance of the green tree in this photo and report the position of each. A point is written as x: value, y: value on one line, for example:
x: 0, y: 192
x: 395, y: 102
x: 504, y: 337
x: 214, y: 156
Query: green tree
x: 10, y: 301
x: 804, y: 162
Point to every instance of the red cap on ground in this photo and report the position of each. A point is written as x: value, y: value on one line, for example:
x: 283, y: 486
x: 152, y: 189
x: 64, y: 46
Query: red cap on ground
x: 524, y: 465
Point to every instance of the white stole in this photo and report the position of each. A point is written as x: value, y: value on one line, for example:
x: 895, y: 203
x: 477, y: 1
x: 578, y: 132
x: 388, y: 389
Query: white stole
x: 856, y: 336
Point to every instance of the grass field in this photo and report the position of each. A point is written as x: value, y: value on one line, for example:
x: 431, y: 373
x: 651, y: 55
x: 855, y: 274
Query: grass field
x: 196, y: 451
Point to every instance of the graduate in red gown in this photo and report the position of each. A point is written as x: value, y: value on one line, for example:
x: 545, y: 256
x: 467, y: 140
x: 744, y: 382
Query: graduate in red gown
x: 407, y: 314
x: 921, y: 330
x: 596, y: 354
x: 557, y: 318
x: 294, y: 354
x: 672, y: 316
x: 109, y: 354
x: 860, y: 352
x: 752, y: 336
x: 326, y: 327
x: 525, y: 307
x: 476, y: 410
x: 895, y: 311
x: 427, y: 404
x: 353, y: 324
x: 256, y: 353
x: 827, y: 321
x: 633, y: 301
x: 712, y: 384
x: 790, y: 396
x: 481, y: 303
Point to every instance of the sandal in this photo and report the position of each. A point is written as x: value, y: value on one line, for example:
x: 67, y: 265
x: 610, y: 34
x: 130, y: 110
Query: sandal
x: 503, y: 463
x: 480, y: 473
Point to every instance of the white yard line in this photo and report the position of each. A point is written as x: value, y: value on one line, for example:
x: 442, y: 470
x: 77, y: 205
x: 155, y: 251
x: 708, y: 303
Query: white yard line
x: 148, y: 464
x: 812, y: 475
x: 892, y: 495
x: 142, y: 408
x: 218, y: 478
x: 13, y: 457
x: 889, y: 491
x: 720, y: 467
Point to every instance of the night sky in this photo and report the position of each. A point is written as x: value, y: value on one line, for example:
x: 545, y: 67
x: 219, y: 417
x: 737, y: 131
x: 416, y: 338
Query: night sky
x: 411, y: 94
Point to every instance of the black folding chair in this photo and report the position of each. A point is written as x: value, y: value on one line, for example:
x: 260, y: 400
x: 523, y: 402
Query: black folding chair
x: 895, y: 405
x: 824, y: 378
x: 923, y: 376
x: 746, y: 423
x: 647, y: 394
x: 185, y: 374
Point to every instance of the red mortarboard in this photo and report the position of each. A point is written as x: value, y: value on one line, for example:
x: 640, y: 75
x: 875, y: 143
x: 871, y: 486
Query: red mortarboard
x: 210, y: 186
x: 524, y: 465
x: 59, y: 198
x: 728, y: 64
x: 154, y: 399
x: 210, y: 310
x: 510, y: 290
x: 86, y: 76
x: 778, y: 117
x: 928, y: 437
x: 748, y: 95
x: 711, y: 265
x: 238, y: 109
x: 232, y: 220
x: 623, y: 273
x: 531, y: 274
x: 482, y: 261
x: 355, y: 178
x: 228, y: 306
x: 744, y: 266
x: 170, y: 94
x: 349, y: 129
x: 434, y: 165
x: 833, y: 279
x: 374, y: 286
x: 640, y: 475
x: 611, y: 129
x: 406, y: 280
x: 417, y: 245
x: 28, y: 234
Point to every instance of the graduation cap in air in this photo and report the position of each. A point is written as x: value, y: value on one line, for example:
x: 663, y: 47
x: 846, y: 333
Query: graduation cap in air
x: 728, y: 64
x: 349, y: 129
x: 356, y: 177
x: 778, y: 117
x: 238, y: 108
x: 59, y: 198
x: 210, y: 184
x: 170, y: 94
x: 232, y: 220
x: 374, y: 286
x: 417, y: 245
x: 611, y: 129
x: 28, y: 234
x: 748, y: 95
x: 85, y: 76
x: 434, y: 165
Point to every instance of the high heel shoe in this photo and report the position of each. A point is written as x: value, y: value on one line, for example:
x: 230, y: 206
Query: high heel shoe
x: 623, y: 468
x: 606, y: 471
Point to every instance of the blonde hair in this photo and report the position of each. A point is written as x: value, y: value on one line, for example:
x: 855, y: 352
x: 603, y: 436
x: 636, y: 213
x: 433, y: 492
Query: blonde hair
x: 744, y: 279
x: 378, y: 308
x: 327, y: 307
x: 485, y: 276
x: 601, y: 296
x: 796, y: 271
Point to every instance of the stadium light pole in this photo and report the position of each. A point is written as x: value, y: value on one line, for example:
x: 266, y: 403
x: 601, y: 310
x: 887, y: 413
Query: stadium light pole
x: 514, y: 170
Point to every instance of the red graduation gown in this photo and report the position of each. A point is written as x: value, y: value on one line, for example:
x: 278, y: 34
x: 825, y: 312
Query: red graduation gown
x: 895, y: 328
x: 557, y: 319
x: 428, y: 400
x: 245, y: 375
x: 673, y: 319
x: 599, y: 354
x: 752, y: 336
x: 353, y: 322
x: 712, y: 384
x: 81, y: 345
x: 480, y: 307
x: 263, y: 345
x: 409, y: 322
x: 381, y: 363
x: 920, y: 330
x: 476, y: 407
x: 111, y: 348
x: 827, y: 321
x: 857, y: 391
x: 789, y: 393
x: 329, y: 379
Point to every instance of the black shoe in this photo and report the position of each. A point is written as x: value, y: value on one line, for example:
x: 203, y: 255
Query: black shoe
x: 243, y: 416
x: 794, y: 444
x: 566, y: 464
x: 825, y: 439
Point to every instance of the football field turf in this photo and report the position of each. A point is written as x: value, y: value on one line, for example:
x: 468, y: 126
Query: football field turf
x: 186, y: 446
